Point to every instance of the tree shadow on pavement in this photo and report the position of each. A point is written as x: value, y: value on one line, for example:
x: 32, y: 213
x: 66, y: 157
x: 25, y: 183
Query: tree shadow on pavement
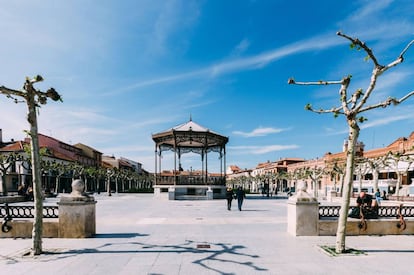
x: 388, y: 250
x: 210, y: 253
x: 118, y: 235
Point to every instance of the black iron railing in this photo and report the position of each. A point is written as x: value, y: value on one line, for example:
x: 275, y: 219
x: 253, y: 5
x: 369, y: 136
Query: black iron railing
x: 26, y: 211
x: 383, y: 211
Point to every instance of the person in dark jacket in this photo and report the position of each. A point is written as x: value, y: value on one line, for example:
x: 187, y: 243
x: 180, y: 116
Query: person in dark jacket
x: 240, y: 197
x: 229, y: 197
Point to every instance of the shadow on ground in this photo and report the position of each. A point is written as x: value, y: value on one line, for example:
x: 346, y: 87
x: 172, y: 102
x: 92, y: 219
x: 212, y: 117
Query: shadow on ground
x: 209, y: 252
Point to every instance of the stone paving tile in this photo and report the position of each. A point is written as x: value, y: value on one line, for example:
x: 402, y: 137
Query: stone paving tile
x: 138, y: 234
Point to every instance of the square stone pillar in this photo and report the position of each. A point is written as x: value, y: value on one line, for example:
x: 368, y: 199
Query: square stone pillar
x: 77, y: 218
x: 303, y: 214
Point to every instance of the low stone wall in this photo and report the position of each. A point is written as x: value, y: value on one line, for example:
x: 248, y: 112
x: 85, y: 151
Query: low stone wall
x: 77, y: 218
x: 304, y: 219
x: 373, y: 227
x: 23, y: 229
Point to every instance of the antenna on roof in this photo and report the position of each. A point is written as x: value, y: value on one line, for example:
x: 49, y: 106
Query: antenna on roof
x: 191, y: 119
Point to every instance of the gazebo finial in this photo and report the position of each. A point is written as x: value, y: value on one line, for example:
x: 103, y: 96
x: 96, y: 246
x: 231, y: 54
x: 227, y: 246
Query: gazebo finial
x: 191, y: 119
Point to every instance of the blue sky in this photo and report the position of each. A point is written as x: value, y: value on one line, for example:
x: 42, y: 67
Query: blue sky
x: 128, y: 69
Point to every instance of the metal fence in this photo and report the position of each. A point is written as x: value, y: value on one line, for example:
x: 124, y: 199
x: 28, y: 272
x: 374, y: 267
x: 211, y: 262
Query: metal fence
x: 26, y: 211
x: 326, y: 212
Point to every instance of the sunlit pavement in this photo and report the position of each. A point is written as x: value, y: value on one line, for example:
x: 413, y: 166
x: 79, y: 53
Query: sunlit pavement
x: 140, y: 234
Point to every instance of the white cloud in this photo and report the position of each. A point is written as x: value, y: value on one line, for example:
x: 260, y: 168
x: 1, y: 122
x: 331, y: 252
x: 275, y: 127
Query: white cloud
x: 370, y: 8
x: 240, y: 64
x: 241, y: 47
x: 385, y: 121
x: 259, y: 132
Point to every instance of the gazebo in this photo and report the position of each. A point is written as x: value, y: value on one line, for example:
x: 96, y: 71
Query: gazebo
x: 185, y: 138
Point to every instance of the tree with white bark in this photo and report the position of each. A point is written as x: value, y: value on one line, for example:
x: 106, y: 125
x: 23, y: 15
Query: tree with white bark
x: 401, y: 163
x: 352, y: 105
x: 375, y: 164
x: 33, y: 99
x: 361, y: 169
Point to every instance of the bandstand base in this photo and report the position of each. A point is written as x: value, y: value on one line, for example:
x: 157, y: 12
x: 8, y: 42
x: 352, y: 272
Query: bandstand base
x: 190, y: 192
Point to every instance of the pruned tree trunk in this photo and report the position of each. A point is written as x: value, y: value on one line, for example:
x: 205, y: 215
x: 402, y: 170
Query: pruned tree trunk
x: 347, y: 189
x: 37, y: 188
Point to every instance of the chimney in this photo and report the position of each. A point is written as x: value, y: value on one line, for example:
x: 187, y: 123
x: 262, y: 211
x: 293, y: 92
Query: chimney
x: 345, y: 146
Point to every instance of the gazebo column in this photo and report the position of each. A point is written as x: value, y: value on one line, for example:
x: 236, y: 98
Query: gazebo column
x: 224, y: 161
x: 155, y: 174
x: 175, y: 159
x: 202, y: 164
x: 206, y: 180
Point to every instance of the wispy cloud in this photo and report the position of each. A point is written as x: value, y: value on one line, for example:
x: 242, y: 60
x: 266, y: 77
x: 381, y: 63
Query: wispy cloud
x: 176, y: 15
x: 259, y: 132
x: 242, y: 63
x: 386, y: 120
x: 259, y: 150
x: 369, y: 9
x: 241, y: 47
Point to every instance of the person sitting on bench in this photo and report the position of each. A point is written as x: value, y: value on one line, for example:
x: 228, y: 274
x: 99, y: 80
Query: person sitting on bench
x: 365, y: 204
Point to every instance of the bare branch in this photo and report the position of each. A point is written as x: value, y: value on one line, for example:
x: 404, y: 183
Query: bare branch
x: 356, y: 41
x: 400, y: 58
x: 406, y: 49
x: 374, y: 76
x: 320, y: 82
x: 386, y: 103
x: 336, y: 110
x: 7, y: 91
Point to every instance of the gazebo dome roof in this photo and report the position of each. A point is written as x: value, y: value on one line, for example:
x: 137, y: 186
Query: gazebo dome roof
x: 188, y: 137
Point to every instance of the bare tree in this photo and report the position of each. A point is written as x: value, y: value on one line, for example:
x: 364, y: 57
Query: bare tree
x: 375, y: 164
x: 6, y: 161
x: 351, y: 107
x: 315, y: 174
x: 361, y: 169
x: 401, y: 163
x: 34, y: 98
x: 337, y: 169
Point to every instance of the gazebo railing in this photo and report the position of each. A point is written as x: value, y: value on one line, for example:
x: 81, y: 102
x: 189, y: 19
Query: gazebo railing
x: 190, y: 180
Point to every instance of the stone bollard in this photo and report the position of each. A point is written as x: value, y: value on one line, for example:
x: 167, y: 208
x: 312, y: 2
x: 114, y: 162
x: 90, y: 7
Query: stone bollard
x: 171, y: 193
x: 303, y: 213
x: 209, y: 193
x: 77, y: 217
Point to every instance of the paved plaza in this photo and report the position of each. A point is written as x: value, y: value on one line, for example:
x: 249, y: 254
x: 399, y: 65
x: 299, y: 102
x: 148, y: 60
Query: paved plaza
x: 140, y: 234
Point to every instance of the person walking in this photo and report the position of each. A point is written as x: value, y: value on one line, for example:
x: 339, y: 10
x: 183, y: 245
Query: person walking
x: 378, y: 197
x: 229, y: 197
x: 240, y: 197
